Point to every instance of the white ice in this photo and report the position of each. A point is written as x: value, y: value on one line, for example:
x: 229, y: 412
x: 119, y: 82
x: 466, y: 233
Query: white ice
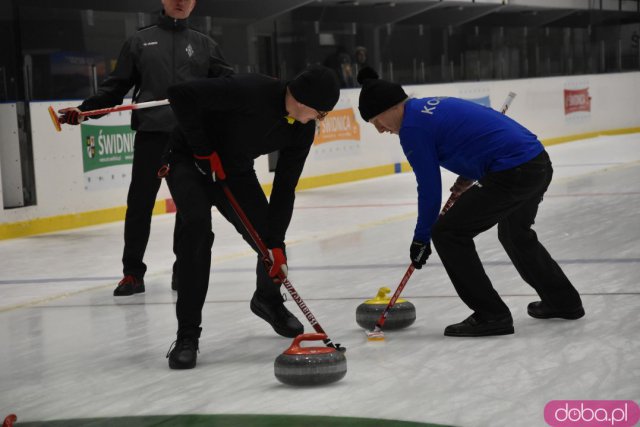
x: 69, y: 349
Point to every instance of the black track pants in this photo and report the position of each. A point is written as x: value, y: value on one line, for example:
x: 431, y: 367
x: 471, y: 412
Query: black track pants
x: 509, y: 199
x: 194, y: 195
x: 143, y: 190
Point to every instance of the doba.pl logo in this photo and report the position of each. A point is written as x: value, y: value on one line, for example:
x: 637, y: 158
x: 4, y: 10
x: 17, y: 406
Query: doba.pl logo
x: 592, y: 413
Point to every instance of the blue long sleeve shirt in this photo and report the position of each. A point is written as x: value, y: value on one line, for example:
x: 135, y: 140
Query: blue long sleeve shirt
x: 463, y: 137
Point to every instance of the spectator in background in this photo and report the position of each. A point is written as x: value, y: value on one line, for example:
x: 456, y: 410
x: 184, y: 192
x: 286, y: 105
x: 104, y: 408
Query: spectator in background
x: 361, y: 59
x: 151, y: 60
x: 340, y: 63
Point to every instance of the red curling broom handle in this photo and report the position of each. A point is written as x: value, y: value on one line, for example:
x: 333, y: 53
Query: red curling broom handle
x: 136, y: 106
x: 394, y: 298
x: 126, y: 107
x: 264, y: 252
x: 383, y: 317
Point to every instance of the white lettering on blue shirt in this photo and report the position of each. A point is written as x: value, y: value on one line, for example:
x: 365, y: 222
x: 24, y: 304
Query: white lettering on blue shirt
x: 433, y: 103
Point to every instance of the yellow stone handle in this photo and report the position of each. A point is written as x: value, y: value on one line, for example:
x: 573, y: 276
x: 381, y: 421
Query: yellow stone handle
x: 382, y: 298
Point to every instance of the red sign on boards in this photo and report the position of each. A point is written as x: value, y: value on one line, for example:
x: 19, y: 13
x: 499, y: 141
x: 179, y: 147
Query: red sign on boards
x: 576, y: 100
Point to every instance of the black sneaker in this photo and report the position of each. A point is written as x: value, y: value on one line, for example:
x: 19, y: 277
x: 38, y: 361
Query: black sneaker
x: 540, y: 310
x: 472, y: 326
x: 129, y: 285
x: 183, y: 353
x: 281, y: 320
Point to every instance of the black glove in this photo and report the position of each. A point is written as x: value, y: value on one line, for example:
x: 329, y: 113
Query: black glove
x: 419, y: 253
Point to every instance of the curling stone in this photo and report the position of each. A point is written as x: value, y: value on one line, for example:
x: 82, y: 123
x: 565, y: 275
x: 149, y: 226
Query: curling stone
x: 401, y: 315
x: 308, y: 366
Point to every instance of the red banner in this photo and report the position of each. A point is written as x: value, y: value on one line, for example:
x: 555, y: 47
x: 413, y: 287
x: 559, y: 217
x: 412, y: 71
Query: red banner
x: 576, y: 100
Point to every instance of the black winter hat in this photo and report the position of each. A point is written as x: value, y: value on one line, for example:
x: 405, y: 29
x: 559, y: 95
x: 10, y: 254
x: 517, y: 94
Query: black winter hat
x: 377, y: 95
x: 316, y: 87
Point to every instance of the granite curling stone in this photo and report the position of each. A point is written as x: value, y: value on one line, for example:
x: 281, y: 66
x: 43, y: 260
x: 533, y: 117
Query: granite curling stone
x: 310, y: 366
x: 401, y: 315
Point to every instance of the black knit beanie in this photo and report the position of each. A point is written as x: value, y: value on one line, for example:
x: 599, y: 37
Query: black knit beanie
x: 377, y: 95
x: 316, y: 87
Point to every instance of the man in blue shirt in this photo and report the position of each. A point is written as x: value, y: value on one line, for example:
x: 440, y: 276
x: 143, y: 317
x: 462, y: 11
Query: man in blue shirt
x: 513, y: 171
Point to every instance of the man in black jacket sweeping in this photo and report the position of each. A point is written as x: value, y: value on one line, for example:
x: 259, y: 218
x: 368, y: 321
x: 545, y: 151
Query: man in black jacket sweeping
x: 150, y: 61
x: 224, y: 124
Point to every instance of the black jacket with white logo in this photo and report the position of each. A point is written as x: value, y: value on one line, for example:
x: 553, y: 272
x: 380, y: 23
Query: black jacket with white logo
x: 152, y: 60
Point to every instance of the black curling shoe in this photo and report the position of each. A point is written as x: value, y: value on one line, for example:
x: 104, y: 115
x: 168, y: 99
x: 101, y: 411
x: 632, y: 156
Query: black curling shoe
x: 540, y: 310
x: 472, y: 326
x: 281, y: 320
x: 129, y: 285
x: 183, y: 353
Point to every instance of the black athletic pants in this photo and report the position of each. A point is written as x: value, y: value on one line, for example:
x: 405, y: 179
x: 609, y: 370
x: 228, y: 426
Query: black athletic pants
x: 510, y: 199
x: 147, y: 159
x: 194, y: 195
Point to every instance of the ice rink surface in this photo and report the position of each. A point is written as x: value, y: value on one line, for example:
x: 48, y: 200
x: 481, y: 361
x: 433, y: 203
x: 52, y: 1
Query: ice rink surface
x: 71, y: 350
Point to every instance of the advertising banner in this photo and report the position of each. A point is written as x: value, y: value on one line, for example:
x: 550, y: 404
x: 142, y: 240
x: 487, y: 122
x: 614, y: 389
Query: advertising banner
x: 476, y: 93
x: 577, y: 101
x: 338, y: 135
x: 107, y: 152
x: 339, y: 125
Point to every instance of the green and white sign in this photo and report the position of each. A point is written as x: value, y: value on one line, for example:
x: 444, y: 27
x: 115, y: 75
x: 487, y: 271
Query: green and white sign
x: 106, y: 146
x: 107, y: 154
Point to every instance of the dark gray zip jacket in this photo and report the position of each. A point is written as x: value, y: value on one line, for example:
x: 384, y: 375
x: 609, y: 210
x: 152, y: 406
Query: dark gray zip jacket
x: 152, y: 60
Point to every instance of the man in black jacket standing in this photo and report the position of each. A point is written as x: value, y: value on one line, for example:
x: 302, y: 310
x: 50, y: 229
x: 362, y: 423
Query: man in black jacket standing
x: 150, y: 61
x: 224, y: 124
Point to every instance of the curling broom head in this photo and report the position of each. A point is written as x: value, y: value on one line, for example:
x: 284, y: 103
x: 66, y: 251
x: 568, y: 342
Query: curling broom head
x: 54, y: 119
x: 375, y: 335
